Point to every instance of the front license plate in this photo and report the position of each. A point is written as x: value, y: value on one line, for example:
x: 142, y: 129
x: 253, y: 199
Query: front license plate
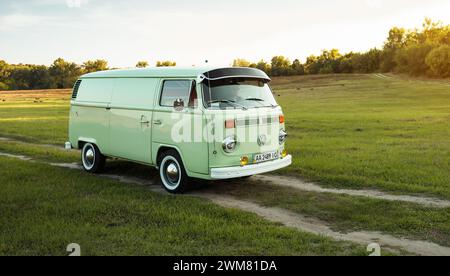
x: 268, y: 156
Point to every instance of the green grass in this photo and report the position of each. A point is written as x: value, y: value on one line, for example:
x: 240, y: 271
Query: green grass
x: 342, y: 213
x: 358, y: 131
x: 347, y: 213
x: 35, y: 122
x: 41, y: 215
x: 40, y: 152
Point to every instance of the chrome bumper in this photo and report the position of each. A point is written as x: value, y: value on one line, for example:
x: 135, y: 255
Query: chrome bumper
x: 236, y: 172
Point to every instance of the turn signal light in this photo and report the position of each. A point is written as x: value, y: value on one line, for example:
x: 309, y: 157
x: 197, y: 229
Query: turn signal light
x: 230, y: 124
x: 281, y: 119
x: 284, y: 153
x: 244, y: 161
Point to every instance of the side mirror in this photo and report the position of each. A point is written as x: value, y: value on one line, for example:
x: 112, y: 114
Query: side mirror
x: 178, y: 104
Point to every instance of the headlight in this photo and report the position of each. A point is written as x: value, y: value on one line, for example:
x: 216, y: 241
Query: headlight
x: 229, y: 144
x: 282, y: 137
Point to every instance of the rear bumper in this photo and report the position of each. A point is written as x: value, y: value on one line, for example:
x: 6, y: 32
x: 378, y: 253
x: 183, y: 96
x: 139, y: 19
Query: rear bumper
x: 236, y: 172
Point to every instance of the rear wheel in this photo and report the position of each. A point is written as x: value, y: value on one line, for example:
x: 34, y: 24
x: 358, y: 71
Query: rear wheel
x: 172, y: 172
x: 92, y: 159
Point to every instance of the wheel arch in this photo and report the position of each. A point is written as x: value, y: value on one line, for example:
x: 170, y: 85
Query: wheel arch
x: 163, y: 148
x: 83, y: 141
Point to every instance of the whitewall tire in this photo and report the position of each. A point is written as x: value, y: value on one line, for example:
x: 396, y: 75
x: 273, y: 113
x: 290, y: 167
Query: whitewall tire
x: 92, y: 159
x: 173, y: 175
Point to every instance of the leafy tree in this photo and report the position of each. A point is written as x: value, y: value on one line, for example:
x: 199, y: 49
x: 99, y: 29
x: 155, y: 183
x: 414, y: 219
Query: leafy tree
x: 264, y: 66
x: 64, y: 74
x: 434, y: 32
x: 142, y: 64
x: 388, y: 60
x: 281, y: 66
x: 438, y: 60
x: 94, y: 66
x: 3, y: 86
x: 240, y: 62
x: 312, y: 65
x: 405, y: 51
x: 39, y: 78
x: 3, y: 70
x: 368, y: 62
x: 397, y: 38
x: 298, y: 67
x: 3, y: 75
x: 329, y: 61
x: 19, y: 77
x: 166, y: 63
x: 411, y: 60
x: 346, y: 63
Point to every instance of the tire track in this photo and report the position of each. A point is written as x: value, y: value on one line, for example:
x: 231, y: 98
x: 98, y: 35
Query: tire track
x: 298, y: 184
x: 299, y: 222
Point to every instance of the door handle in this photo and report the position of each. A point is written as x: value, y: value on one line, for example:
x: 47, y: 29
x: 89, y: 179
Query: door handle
x: 144, y: 120
x: 157, y: 122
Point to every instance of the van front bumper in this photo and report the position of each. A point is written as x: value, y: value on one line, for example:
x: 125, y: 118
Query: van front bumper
x: 236, y: 172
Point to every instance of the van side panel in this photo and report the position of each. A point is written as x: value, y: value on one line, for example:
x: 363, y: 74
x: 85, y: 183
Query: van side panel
x: 89, y: 117
x: 131, y: 118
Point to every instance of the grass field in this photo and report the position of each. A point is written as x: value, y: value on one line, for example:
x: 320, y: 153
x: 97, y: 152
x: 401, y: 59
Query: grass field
x: 343, y: 213
x: 360, y: 131
x: 352, y: 131
x: 42, y: 215
x: 38, y: 116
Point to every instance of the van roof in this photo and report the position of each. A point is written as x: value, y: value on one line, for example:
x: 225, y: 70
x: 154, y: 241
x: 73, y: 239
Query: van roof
x: 177, y: 72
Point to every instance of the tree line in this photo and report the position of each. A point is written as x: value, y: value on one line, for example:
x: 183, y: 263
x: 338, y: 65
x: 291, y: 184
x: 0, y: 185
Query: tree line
x: 418, y: 52
x: 61, y: 74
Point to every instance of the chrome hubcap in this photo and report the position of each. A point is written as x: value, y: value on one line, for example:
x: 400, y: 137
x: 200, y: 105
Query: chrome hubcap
x: 172, y: 173
x: 89, y: 157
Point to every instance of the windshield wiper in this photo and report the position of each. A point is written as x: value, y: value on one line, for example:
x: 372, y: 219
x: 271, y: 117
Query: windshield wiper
x: 261, y: 100
x: 228, y: 102
x: 255, y: 99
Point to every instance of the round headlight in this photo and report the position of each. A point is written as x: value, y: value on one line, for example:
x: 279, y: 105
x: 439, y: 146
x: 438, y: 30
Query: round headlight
x: 229, y: 144
x: 283, y: 136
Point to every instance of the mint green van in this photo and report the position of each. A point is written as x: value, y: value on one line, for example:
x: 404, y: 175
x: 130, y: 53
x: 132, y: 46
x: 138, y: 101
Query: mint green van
x: 205, y: 123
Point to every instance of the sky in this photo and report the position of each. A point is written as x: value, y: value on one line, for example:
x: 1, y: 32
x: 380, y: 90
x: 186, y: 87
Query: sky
x: 192, y: 31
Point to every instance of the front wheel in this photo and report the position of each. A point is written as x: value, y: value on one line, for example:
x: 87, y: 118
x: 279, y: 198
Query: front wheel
x: 92, y: 159
x: 172, y: 172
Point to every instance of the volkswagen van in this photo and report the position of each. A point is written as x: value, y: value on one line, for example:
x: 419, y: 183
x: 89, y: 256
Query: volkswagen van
x: 205, y: 123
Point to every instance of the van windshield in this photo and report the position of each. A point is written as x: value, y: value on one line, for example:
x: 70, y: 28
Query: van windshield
x: 237, y: 93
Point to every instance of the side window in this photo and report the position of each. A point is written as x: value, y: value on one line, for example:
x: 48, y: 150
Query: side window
x: 173, y: 90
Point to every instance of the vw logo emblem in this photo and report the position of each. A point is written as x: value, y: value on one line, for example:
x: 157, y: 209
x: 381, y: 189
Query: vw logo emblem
x: 262, y: 140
